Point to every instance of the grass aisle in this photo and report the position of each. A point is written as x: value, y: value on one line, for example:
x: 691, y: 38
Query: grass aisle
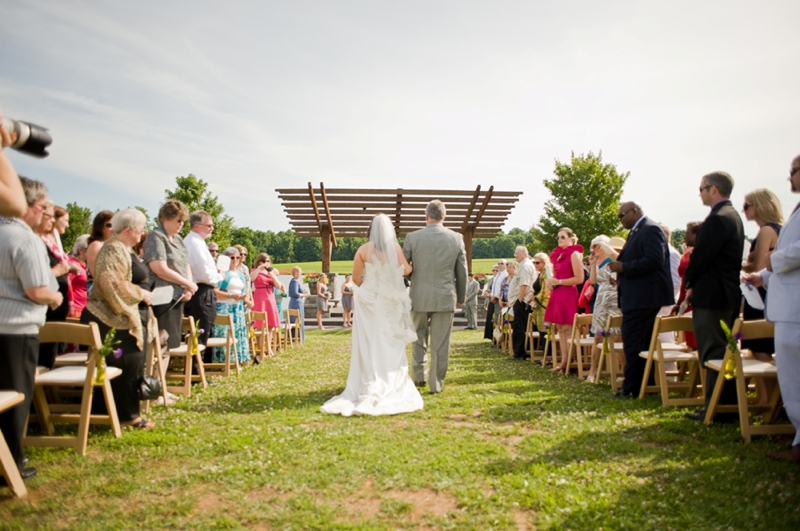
x: 506, y: 446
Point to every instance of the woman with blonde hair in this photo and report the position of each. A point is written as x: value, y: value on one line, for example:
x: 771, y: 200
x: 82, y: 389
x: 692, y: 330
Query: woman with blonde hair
x: 567, y: 260
x: 763, y: 207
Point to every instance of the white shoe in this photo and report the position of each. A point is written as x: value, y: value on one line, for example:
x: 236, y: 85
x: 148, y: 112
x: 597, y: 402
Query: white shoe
x: 170, y: 401
x: 173, y: 397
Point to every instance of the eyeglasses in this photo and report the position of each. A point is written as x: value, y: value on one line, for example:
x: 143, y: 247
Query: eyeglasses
x: 209, y: 225
x: 46, y: 215
x: 564, y: 236
x: 623, y: 214
x: 536, y: 262
x: 108, y: 225
x: 705, y: 187
x: 746, y: 206
x: 215, y: 251
x: 181, y: 221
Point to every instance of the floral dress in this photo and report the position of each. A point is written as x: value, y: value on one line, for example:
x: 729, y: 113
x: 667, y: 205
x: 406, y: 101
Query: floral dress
x: 234, y: 282
x: 605, y: 302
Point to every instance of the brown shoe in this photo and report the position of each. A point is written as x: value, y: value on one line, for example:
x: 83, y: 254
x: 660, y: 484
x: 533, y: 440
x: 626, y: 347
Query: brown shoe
x: 792, y: 455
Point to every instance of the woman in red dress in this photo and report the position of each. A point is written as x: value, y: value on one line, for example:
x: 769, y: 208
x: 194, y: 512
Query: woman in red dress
x: 78, y: 279
x: 567, y: 260
x: 265, y: 282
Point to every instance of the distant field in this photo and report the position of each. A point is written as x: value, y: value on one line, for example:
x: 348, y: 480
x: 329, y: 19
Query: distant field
x: 479, y: 265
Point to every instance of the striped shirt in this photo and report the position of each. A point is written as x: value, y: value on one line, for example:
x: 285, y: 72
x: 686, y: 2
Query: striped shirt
x: 23, y: 264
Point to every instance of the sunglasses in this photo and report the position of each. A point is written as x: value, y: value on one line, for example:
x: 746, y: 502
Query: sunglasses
x: 746, y: 206
x: 535, y: 262
x: 623, y: 214
x: 215, y: 251
x: 794, y: 170
x: 704, y: 188
x: 564, y: 237
x: 108, y: 225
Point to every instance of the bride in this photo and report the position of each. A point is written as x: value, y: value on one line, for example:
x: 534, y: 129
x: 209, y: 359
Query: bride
x: 378, y: 382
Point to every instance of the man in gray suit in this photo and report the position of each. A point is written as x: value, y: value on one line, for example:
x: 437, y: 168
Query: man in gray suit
x: 782, y: 279
x: 471, y: 303
x: 438, y: 283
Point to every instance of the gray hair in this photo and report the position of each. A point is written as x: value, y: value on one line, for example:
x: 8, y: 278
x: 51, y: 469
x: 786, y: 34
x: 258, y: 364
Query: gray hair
x: 231, y: 251
x: 81, y: 244
x: 436, y: 210
x: 198, y: 217
x: 130, y: 218
x: 600, y: 239
x: 34, y: 190
x: 722, y: 180
x: 214, y: 245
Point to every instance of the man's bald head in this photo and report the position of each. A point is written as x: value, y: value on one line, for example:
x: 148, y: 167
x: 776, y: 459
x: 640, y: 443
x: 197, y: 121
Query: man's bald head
x: 629, y: 213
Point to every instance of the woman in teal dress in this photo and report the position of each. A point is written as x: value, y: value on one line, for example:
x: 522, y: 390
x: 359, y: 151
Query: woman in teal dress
x: 231, y: 293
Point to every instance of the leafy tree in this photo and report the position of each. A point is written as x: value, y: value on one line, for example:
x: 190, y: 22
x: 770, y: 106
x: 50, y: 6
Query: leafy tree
x: 677, y: 238
x: 307, y: 249
x: 194, y: 193
x: 80, y: 222
x: 244, y: 236
x: 585, y: 197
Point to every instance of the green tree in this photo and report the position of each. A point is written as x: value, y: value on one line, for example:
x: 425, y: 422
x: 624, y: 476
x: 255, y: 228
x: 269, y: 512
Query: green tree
x: 307, y: 249
x: 677, y: 238
x: 194, y: 193
x: 80, y: 222
x: 585, y: 197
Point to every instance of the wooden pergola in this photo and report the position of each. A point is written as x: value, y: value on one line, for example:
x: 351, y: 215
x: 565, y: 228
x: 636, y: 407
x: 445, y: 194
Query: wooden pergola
x: 329, y: 213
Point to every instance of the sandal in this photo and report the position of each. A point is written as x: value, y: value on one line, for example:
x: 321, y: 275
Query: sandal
x: 140, y: 424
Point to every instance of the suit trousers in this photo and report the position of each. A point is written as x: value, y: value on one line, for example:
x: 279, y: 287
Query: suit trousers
x: 711, y: 345
x: 488, y: 327
x: 518, y: 328
x: 439, y: 325
x: 787, y: 357
x: 18, y: 355
x: 637, y: 329
x: 203, y: 307
x: 471, y: 313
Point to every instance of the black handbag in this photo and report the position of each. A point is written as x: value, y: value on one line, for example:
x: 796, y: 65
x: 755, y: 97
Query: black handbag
x: 149, y: 387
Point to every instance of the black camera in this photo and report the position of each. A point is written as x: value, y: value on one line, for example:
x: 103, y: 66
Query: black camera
x: 269, y: 269
x: 32, y: 139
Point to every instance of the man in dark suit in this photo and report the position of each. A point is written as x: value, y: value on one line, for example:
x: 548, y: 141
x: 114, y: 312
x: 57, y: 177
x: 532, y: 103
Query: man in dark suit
x: 712, y: 281
x: 645, y: 285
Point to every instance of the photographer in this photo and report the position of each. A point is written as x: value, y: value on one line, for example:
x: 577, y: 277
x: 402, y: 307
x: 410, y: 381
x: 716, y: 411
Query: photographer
x: 25, y: 294
x: 265, y: 282
x: 12, y: 198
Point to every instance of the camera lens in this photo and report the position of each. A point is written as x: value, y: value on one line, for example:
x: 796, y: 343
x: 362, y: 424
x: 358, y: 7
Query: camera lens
x: 32, y: 139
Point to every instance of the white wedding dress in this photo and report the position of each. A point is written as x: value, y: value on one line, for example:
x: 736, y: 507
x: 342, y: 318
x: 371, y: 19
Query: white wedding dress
x: 378, y: 382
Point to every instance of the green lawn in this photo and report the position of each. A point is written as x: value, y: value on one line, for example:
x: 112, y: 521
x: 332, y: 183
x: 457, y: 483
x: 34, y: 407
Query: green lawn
x: 507, y: 445
x: 479, y: 265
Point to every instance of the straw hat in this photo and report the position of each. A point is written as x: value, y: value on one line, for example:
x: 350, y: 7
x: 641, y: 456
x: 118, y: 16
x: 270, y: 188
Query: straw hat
x: 616, y: 243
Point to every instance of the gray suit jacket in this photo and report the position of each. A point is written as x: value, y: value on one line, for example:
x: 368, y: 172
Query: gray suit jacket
x: 783, y: 284
x: 472, y: 292
x: 439, y: 278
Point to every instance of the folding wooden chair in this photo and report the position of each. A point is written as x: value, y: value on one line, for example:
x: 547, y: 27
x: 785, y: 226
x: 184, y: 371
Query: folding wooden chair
x: 746, y: 369
x: 506, y: 344
x: 156, y: 363
x: 661, y: 354
x: 72, y: 376
x: 228, y: 343
x: 532, y: 339
x: 180, y: 362
x: 551, y: 346
x: 580, y: 343
x: 614, y: 360
x: 260, y: 335
x: 8, y: 466
x: 292, y: 330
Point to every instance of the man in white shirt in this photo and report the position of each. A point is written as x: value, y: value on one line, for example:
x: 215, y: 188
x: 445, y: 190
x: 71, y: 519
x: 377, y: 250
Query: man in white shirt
x: 497, y: 285
x: 520, y: 285
x: 203, y: 304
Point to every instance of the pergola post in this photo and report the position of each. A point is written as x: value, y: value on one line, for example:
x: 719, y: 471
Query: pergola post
x: 468, y: 232
x: 327, y: 247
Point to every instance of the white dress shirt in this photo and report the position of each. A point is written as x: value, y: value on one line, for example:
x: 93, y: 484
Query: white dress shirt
x: 204, y: 270
x: 497, y: 285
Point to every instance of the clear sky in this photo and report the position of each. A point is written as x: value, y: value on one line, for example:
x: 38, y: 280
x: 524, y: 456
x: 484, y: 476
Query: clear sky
x: 253, y: 96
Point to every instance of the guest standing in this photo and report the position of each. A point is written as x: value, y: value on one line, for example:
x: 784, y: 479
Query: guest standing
x: 712, y: 280
x: 522, y: 284
x: 25, y: 295
x: 120, y: 299
x: 78, y: 277
x: 645, y: 286
x: 347, y: 300
x: 265, y: 282
x: 101, y: 231
x: 471, y: 303
x: 322, y: 299
x: 166, y: 256
x: 297, y: 296
x: 604, y: 251
x: 488, y: 327
x: 203, y: 304
x: 781, y: 276
x: 689, y: 241
x: 230, y: 301
x: 563, y: 305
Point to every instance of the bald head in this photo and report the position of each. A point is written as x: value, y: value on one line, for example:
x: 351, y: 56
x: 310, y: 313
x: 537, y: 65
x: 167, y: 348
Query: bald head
x: 629, y: 214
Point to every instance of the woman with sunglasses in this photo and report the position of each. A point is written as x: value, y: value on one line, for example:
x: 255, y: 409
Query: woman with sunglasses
x: 230, y: 301
x: 567, y: 260
x: 101, y: 231
x: 265, y: 282
x: 763, y: 207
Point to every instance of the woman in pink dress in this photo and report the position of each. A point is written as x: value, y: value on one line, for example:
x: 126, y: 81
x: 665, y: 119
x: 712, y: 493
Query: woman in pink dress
x: 78, y: 280
x: 567, y: 260
x: 265, y: 282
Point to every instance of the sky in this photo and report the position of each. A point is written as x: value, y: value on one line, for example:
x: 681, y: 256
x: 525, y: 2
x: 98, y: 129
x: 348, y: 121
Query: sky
x: 251, y: 96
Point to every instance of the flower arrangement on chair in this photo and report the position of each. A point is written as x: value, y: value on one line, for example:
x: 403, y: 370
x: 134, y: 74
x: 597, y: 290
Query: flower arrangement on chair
x: 105, y: 349
x: 733, y: 346
x: 196, y: 340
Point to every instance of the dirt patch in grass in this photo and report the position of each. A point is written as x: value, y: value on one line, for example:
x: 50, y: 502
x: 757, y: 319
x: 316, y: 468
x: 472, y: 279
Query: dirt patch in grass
x: 267, y: 492
x: 208, y: 502
x: 425, y: 501
x: 522, y: 521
